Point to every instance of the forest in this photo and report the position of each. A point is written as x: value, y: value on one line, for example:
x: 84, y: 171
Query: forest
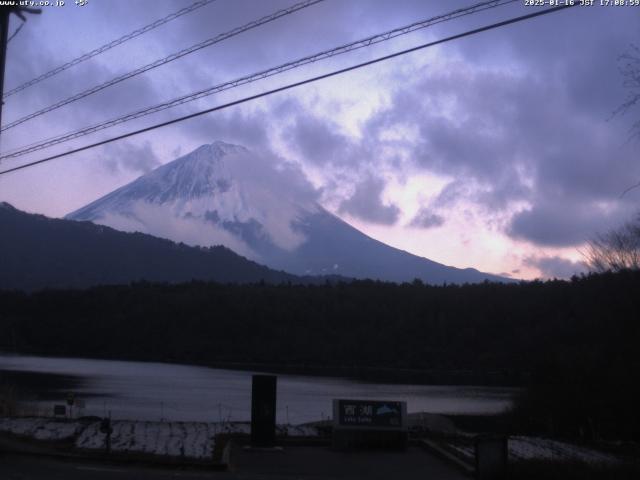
x: 572, y: 344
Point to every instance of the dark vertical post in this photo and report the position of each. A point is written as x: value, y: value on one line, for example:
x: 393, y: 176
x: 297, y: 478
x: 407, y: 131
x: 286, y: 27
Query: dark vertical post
x: 107, y: 429
x: 4, y: 38
x: 492, y: 457
x: 4, y: 33
x: 263, y: 411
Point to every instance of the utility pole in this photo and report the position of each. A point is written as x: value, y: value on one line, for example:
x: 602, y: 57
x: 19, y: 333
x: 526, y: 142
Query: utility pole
x: 4, y: 33
x: 5, y: 12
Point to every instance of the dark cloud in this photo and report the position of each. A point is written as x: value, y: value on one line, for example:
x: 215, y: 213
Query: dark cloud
x: 248, y: 128
x: 317, y: 140
x: 366, y: 203
x: 426, y: 218
x: 114, y: 101
x: 546, y: 48
x: 565, y: 223
x: 267, y: 171
x: 461, y: 118
x: 514, y: 117
x: 127, y: 156
x: 554, y: 266
x: 285, y: 38
x: 507, y: 137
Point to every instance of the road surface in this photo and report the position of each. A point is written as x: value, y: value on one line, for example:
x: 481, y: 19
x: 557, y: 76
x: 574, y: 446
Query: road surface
x: 298, y: 463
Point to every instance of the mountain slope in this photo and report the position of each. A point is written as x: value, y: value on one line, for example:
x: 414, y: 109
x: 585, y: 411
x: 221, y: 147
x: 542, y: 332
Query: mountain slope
x: 224, y: 194
x: 38, y: 252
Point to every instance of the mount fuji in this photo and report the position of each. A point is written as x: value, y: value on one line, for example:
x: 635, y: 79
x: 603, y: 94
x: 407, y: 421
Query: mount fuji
x: 222, y: 194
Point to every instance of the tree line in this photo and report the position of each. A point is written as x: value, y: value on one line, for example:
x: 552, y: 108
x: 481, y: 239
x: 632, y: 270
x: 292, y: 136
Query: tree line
x: 574, y: 344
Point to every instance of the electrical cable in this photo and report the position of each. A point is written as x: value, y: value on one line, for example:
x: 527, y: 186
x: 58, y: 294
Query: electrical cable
x: 108, y: 46
x: 163, y: 61
x: 296, y: 84
x: 366, y: 42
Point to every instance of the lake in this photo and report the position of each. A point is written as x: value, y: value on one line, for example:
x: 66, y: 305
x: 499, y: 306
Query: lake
x: 155, y: 391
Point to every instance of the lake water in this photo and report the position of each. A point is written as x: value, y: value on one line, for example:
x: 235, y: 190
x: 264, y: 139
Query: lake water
x: 154, y: 391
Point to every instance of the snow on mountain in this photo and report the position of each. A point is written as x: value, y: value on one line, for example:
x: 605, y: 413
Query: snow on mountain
x: 207, y: 197
x: 223, y: 194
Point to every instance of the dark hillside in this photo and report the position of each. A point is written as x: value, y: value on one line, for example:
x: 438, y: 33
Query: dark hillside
x: 38, y: 252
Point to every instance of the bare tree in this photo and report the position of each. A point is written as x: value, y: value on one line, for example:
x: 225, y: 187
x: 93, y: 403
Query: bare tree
x: 618, y: 249
x: 630, y: 71
x: 629, y: 66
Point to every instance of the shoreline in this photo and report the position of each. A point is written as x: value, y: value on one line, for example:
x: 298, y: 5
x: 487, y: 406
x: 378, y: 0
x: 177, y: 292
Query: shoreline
x: 365, y: 374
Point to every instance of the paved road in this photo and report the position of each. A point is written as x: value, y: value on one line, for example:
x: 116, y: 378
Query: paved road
x: 299, y: 463
x: 24, y: 467
x: 319, y: 463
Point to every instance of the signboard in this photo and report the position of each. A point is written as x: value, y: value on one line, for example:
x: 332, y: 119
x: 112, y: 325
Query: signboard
x: 59, y: 410
x: 369, y: 424
x: 369, y: 414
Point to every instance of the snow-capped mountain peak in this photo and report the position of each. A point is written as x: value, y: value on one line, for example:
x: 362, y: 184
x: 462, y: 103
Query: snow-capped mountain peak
x: 225, y: 194
x: 206, y: 197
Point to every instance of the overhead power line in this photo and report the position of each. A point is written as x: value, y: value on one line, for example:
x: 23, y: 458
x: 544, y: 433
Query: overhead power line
x: 109, y: 46
x: 366, y: 42
x: 165, y: 60
x: 296, y: 84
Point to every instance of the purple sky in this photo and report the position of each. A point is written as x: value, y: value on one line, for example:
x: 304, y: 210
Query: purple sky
x: 497, y: 151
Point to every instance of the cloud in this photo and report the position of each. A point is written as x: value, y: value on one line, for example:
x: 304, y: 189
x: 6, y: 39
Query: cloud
x: 366, y: 203
x: 246, y: 127
x: 153, y: 219
x: 555, y: 266
x: 265, y: 170
x: 426, y: 218
x: 256, y: 197
x: 122, y: 98
x: 274, y: 190
x: 519, y: 144
x: 515, y: 120
x: 139, y: 158
x: 565, y: 223
x: 318, y: 140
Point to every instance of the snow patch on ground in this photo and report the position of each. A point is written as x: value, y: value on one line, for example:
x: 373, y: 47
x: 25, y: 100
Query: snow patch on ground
x: 189, y: 440
x: 298, y: 431
x: 41, y: 428
x: 531, y: 448
x: 172, y: 439
x: 90, y: 437
x: 535, y: 448
x: 196, y: 440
